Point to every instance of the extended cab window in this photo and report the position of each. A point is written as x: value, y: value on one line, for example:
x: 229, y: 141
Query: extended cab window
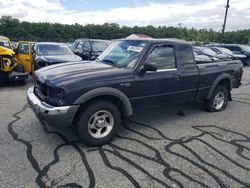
x: 163, y: 57
x: 186, y: 55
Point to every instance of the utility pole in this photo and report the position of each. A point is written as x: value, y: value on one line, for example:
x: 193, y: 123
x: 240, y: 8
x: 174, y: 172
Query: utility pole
x: 225, y: 19
x: 180, y: 33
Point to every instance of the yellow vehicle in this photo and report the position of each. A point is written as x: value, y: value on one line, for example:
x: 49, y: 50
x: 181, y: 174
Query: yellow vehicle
x: 10, y: 69
x: 24, y: 55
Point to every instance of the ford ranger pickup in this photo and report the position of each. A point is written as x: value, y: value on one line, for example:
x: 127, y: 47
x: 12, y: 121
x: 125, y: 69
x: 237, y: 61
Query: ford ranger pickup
x: 131, y: 74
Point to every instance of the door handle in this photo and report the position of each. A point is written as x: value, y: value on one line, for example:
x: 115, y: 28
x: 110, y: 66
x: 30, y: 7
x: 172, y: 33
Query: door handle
x: 26, y: 59
x: 177, y: 77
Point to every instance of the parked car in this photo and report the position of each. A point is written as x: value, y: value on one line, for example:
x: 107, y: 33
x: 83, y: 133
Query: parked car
x: 239, y: 49
x: 221, y: 50
x: 200, y: 59
x: 50, y: 53
x: 129, y: 75
x: 202, y: 50
x: 89, y: 49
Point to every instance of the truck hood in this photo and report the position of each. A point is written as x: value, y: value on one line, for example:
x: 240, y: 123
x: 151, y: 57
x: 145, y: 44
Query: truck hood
x: 6, y: 51
x: 202, y: 58
x: 223, y: 56
x: 58, y: 58
x: 60, y: 75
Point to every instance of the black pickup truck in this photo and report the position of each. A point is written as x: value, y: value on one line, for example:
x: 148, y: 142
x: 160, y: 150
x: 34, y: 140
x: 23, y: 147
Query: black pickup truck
x: 128, y: 76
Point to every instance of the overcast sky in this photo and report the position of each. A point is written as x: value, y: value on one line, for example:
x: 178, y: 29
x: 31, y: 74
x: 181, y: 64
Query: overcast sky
x: 191, y: 13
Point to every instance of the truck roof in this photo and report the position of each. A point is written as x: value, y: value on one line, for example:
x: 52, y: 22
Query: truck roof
x: 49, y: 43
x: 4, y: 38
x: 172, y: 40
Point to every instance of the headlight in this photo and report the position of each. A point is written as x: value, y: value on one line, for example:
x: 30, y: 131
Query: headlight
x: 55, y: 96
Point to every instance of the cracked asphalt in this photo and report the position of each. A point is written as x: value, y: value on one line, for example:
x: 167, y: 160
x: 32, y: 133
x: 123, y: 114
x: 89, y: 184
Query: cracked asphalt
x: 178, y: 146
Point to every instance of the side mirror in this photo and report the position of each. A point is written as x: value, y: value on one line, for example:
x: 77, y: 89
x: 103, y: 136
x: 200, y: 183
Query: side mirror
x: 242, y: 52
x: 149, y: 67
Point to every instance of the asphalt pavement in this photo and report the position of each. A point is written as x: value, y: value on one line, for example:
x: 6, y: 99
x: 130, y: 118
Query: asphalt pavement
x: 178, y: 146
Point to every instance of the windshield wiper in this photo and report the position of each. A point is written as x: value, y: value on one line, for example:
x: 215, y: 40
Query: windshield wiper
x: 111, y: 62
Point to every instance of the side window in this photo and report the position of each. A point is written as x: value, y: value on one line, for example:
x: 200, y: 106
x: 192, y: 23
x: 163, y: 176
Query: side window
x: 216, y: 50
x: 87, y: 47
x: 234, y: 48
x: 163, y: 57
x: 186, y: 55
x: 23, y: 48
x: 79, y: 45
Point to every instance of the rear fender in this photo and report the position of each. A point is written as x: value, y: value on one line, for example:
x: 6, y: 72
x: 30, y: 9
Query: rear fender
x: 217, y: 81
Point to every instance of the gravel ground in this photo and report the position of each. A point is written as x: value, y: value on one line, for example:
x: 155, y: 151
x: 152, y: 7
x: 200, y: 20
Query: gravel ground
x: 180, y: 146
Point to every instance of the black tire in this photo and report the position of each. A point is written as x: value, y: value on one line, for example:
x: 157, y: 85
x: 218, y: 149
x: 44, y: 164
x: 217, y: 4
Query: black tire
x: 209, y: 103
x: 85, y: 116
x: 20, y: 68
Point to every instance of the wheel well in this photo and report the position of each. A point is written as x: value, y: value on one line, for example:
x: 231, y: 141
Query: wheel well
x: 227, y: 83
x: 116, y: 101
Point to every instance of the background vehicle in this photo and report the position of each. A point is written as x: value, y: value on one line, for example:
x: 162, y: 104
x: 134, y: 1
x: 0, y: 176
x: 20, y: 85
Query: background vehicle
x: 200, y: 59
x: 221, y: 50
x: 89, y: 49
x: 49, y: 53
x: 239, y: 49
x: 24, y: 55
x: 10, y: 69
x: 129, y: 75
x: 210, y: 53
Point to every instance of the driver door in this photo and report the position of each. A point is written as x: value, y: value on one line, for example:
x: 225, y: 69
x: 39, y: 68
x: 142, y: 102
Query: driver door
x: 23, y: 55
x: 160, y: 87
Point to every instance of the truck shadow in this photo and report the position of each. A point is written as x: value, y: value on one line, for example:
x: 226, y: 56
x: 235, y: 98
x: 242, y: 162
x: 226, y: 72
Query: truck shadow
x: 151, y: 144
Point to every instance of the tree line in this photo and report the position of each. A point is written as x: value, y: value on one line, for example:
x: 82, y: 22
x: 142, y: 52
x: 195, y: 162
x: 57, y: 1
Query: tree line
x: 55, y: 32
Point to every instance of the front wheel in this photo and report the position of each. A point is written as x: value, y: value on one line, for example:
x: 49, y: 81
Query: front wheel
x: 98, y: 123
x: 218, y: 100
x: 19, y: 68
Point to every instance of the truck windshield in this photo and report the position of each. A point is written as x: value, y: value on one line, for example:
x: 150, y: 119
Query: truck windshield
x: 47, y: 49
x: 209, y: 51
x: 225, y: 51
x: 99, y: 46
x: 5, y: 43
x: 123, y: 53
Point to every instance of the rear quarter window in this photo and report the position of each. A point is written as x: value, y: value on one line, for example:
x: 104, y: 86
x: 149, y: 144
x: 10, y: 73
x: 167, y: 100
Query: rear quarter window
x: 186, y: 56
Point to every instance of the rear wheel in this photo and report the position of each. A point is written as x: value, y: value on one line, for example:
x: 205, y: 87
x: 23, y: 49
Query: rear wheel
x: 98, y: 123
x: 218, y: 100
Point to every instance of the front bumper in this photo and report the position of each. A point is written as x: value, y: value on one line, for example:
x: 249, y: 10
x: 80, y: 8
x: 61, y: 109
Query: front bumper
x: 55, y: 116
x: 17, y: 76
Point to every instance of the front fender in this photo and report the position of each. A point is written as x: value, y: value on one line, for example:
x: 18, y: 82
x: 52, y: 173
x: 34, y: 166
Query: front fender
x: 110, y: 92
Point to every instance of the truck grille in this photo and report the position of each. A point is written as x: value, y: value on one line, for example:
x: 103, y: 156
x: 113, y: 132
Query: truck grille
x: 41, y: 90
